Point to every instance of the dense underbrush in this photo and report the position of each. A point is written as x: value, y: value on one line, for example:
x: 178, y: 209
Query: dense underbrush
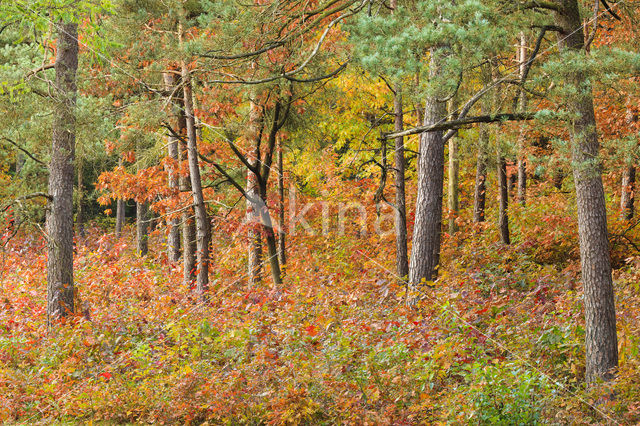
x: 498, y: 339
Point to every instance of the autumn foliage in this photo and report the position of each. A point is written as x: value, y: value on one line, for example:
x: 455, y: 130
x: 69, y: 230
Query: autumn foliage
x: 498, y: 337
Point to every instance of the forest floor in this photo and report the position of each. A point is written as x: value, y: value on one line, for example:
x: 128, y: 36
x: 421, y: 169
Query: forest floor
x: 498, y: 339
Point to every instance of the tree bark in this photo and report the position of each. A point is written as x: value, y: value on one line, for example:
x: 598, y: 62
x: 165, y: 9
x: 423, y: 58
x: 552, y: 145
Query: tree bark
x: 503, y: 218
x: 282, y: 251
x: 254, y: 238
x: 558, y: 178
x: 599, y: 308
x: 173, y: 236
x: 522, y: 164
x: 20, y: 160
x: 270, y: 237
x: 425, y: 255
x: 512, y: 180
x: 60, y: 286
x: 480, y: 193
x: 188, y: 227
x: 479, y: 199
x: 400, y: 213
x: 522, y: 176
x: 142, y: 228
x: 142, y: 220
x: 80, y: 196
x: 202, y: 220
x: 400, y: 218
x: 120, y: 216
x: 120, y: 211
x: 454, y: 179
x: 627, y: 197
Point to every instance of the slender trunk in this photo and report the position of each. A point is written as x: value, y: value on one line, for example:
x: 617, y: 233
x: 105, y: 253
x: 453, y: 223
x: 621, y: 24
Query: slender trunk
x: 628, y: 192
x: 480, y: 193
x: 202, y: 220
x: 454, y: 174
x: 425, y: 255
x: 142, y: 228
x: 270, y: 237
x: 522, y: 179
x: 558, y: 178
x: 173, y: 237
x: 187, y: 219
x: 503, y: 219
x: 120, y: 216
x: 254, y: 237
x: 142, y: 221
x: 522, y: 164
x: 479, y: 199
x: 400, y: 213
x: 512, y: 180
x: 60, y: 287
x: 400, y: 218
x: 627, y: 196
x: 80, y: 196
x: 599, y: 307
x: 120, y: 212
x: 282, y: 252
x: 20, y: 160
x: 189, y: 247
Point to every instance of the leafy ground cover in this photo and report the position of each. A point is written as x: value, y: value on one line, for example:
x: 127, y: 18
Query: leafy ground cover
x: 498, y: 339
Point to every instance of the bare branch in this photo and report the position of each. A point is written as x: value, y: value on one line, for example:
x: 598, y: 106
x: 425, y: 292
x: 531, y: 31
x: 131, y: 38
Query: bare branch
x: 456, y: 124
x: 27, y: 197
x: 23, y: 150
x: 303, y: 65
x: 39, y: 69
x: 606, y: 6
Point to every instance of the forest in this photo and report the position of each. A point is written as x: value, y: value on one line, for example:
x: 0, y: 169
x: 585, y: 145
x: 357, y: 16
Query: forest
x: 317, y: 212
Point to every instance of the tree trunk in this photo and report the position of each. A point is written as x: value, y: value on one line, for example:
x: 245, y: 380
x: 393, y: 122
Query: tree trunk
x: 188, y: 246
x: 80, y: 195
x: 627, y: 196
x: 188, y: 224
x: 480, y: 193
x: 512, y: 180
x: 522, y: 176
x: 522, y: 164
x: 503, y: 219
x: 202, y: 220
x: 425, y: 255
x: 454, y: 173
x: 142, y: 228
x: 628, y: 192
x: 120, y: 211
x: 254, y: 250
x: 120, y: 216
x: 400, y: 218
x: 142, y: 220
x: 558, y: 178
x: 400, y: 213
x: 599, y: 308
x: 173, y: 237
x: 272, y: 248
x: 20, y: 160
x: 60, y: 287
x: 282, y: 252
x: 479, y: 199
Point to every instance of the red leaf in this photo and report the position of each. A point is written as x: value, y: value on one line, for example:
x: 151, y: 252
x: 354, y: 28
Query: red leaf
x: 311, y: 330
x: 106, y: 375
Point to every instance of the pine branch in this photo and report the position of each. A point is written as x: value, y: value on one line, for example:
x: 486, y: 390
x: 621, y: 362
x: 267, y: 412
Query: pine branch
x: 456, y: 124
